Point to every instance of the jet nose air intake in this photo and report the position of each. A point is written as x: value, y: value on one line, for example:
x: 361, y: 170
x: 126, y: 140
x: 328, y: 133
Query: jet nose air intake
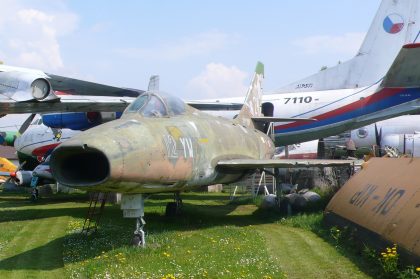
x: 80, y: 166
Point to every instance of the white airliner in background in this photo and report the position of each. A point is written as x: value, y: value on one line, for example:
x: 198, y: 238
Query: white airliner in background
x: 351, y: 94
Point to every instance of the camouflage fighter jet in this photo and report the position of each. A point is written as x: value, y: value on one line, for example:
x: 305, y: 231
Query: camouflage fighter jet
x: 160, y: 144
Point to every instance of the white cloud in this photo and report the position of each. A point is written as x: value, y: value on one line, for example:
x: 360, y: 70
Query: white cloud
x: 30, y: 35
x: 348, y: 43
x: 100, y: 27
x: 186, y: 47
x: 218, y: 80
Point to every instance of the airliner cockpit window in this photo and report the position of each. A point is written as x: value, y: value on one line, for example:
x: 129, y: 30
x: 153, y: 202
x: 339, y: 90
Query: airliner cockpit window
x: 154, y: 108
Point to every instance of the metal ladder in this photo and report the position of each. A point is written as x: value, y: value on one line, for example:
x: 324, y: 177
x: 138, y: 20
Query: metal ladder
x: 263, y: 179
x: 94, y: 212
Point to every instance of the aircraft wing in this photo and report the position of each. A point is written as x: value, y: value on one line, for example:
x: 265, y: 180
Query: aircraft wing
x: 25, y: 90
x: 80, y: 87
x: 252, y: 164
x: 73, y: 103
x: 265, y: 119
x: 214, y: 105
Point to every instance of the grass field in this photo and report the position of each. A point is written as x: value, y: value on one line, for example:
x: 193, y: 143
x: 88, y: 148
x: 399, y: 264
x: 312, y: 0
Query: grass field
x: 212, y: 239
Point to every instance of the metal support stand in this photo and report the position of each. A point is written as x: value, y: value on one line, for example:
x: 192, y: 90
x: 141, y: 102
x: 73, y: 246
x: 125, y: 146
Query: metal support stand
x: 232, y: 195
x: 279, y: 192
x: 270, y: 131
x: 262, y: 182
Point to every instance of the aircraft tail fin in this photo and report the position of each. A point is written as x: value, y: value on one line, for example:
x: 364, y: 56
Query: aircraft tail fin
x: 252, y: 105
x: 153, y: 83
x: 405, y: 71
x: 394, y: 25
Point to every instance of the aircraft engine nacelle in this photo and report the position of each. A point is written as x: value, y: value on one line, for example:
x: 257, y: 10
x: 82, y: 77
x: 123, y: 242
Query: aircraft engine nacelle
x: 365, y: 136
x: 26, y: 86
x: 78, y: 120
x: 405, y: 143
x: 23, y: 178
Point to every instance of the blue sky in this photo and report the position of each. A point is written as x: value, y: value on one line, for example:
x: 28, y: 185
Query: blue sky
x: 201, y: 49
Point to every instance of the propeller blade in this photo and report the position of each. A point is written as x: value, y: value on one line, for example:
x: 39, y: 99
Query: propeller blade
x: 26, y: 124
x: 378, y: 135
x: 378, y: 139
x: 321, y: 149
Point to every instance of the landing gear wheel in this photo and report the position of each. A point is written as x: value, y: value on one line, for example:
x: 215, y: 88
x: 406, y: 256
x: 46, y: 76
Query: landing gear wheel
x: 171, y: 209
x: 174, y: 208
x: 137, y: 241
x: 34, y: 195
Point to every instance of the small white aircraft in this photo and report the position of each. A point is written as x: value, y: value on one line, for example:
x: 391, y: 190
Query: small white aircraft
x: 38, y: 140
x: 33, y: 147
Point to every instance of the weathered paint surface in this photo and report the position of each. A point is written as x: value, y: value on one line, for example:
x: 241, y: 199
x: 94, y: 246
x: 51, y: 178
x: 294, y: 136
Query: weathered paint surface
x: 171, y: 153
x: 384, y: 198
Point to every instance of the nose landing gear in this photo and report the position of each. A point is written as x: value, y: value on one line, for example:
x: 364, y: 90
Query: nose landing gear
x: 139, y: 235
x: 133, y: 207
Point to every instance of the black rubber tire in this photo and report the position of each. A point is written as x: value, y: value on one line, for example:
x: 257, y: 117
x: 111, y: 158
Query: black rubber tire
x: 171, y: 209
x: 136, y: 241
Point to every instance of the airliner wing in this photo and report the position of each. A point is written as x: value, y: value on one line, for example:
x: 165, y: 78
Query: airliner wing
x: 214, y: 105
x: 279, y: 119
x: 252, y: 164
x: 24, y: 90
x: 73, y: 103
x: 80, y: 87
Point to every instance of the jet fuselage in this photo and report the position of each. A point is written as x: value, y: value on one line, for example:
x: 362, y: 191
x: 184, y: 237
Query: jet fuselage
x: 138, y: 154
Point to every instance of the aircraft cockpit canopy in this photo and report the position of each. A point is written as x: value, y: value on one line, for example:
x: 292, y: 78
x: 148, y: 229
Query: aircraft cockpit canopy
x: 156, y: 104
